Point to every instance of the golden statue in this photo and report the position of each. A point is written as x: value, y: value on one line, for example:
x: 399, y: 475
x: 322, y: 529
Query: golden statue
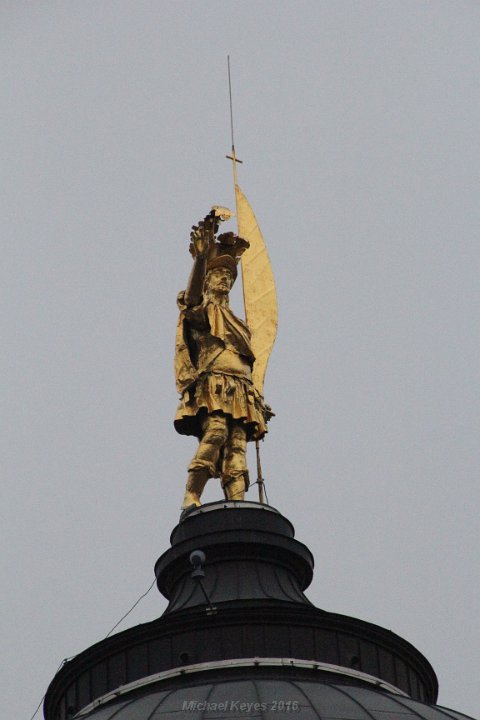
x: 219, y: 381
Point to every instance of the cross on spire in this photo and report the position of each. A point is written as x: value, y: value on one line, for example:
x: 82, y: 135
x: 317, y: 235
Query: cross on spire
x: 234, y: 160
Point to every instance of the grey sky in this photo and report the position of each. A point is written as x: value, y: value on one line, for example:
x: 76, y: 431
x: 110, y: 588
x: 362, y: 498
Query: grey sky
x: 358, y: 126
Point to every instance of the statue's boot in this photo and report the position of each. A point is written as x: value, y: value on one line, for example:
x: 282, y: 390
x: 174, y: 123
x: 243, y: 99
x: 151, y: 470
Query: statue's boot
x: 234, y: 487
x: 196, y: 482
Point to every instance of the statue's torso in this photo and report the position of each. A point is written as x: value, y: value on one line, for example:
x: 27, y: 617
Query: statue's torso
x: 214, y: 355
x: 221, y: 340
x: 214, y: 370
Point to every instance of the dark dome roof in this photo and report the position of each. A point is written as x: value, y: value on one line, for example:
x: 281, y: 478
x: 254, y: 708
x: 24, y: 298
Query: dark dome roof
x: 239, y: 639
x: 268, y: 699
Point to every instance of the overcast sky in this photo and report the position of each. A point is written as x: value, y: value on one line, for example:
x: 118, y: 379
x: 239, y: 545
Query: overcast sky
x: 358, y: 124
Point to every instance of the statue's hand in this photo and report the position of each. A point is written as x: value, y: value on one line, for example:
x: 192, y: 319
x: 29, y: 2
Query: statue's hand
x: 201, y: 236
x: 199, y: 241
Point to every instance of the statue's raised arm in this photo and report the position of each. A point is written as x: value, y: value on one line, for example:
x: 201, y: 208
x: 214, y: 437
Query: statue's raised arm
x: 201, y: 237
x: 213, y: 364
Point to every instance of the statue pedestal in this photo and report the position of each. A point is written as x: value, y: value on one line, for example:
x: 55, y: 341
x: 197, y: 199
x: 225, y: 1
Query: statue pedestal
x: 251, y: 554
x: 262, y: 629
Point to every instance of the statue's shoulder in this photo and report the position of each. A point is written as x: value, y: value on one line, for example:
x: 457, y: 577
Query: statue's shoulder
x: 196, y: 315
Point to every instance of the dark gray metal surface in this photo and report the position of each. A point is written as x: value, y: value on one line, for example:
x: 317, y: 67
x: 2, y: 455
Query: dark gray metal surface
x: 270, y: 699
x: 251, y: 555
x: 254, y: 573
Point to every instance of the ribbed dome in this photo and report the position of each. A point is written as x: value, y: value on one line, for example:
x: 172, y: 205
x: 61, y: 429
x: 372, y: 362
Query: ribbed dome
x: 269, y: 699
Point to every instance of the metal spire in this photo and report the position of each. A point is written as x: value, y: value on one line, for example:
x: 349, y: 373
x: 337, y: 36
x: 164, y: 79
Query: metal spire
x: 235, y: 160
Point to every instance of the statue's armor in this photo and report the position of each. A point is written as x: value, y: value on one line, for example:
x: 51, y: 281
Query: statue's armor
x: 213, y: 351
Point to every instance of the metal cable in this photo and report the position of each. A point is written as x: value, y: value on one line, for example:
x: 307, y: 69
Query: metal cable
x: 106, y: 636
x: 129, y: 611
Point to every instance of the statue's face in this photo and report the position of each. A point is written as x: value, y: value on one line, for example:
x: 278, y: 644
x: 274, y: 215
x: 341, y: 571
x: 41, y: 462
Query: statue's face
x: 219, y: 280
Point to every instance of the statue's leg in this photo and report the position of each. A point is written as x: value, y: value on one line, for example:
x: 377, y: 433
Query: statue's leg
x: 234, y: 471
x: 204, y: 463
x: 196, y: 482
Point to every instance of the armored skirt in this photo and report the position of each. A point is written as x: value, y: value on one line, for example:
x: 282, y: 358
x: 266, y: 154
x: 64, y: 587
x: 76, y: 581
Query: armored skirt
x: 231, y: 395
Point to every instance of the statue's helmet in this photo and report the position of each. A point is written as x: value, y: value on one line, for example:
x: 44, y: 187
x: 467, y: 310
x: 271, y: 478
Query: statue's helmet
x: 226, y: 251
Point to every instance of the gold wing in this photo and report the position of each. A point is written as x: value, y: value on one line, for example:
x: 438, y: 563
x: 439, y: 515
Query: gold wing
x: 259, y: 294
